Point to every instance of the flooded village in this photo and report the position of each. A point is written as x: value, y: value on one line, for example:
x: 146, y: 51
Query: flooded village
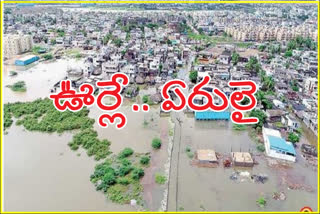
x: 176, y: 161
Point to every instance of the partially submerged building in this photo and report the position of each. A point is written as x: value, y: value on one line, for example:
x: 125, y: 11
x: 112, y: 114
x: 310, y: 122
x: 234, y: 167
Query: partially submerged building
x: 276, y: 146
x: 211, y: 115
x: 206, y: 156
x: 243, y: 159
x: 26, y: 60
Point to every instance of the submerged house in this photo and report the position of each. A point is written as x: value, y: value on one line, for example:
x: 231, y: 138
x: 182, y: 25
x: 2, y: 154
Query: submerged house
x: 276, y: 146
x: 26, y: 60
x: 211, y: 115
x: 206, y: 156
x: 242, y: 159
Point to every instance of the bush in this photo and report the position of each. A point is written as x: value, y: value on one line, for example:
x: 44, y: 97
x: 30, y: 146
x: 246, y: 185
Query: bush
x: 260, y: 147
x: 125, y: 153
x: 48, y: 56
x: 123, y: 181
x: 19, y: 86
x: 124, y: 170
x: 160, y: 179
x: 261, y: 202
x: 137, y: 173
x: 156, y: 143
x: 145, y: 160
x: 145, y: 99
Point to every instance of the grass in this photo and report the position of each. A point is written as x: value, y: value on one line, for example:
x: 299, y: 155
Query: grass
x: 19, y: 86
x: 239, y: 127
x: 160, y: 179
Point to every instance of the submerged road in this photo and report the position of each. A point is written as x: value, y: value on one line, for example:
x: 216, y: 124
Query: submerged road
x: 173, y: 190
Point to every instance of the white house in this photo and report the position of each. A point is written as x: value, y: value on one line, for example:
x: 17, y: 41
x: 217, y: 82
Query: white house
x: 276, y: 146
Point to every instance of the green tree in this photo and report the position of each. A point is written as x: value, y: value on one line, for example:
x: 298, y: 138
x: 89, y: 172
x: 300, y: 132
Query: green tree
x: 235, y: 58
x: 260, y: 115
x: 193, y: 75
x: 293, y: 138
x: 261, y: 48
x: 288, y: 53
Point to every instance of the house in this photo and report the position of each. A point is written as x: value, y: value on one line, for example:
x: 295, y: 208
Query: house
x: 225, y: 57
x: 242, y: 159
x: 26, y: 60
x: 274, y: 115
x: 276, y: 146
x: 211, y: 115
x: 206, y: 156
x: 291, y: 123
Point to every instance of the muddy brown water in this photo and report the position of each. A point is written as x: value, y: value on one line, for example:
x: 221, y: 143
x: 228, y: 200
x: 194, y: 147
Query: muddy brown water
x: 41, y: 173
x: 210, y: 189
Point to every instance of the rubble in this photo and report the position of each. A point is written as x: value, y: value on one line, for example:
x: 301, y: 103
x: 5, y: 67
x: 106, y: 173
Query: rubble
x: 279, y: 196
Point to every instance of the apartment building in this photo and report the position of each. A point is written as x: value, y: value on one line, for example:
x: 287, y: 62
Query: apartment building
x: 16, y: 44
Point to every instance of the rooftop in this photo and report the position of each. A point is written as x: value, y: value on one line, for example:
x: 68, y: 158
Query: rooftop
x: 280, y: 144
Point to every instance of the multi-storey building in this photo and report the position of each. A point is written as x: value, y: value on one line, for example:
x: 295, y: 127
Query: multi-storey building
x: 16, y: 44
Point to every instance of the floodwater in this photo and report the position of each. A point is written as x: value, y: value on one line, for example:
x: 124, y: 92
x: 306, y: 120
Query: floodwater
x: 39, y: 79
x: 41, y: 173
x: 211, y: 189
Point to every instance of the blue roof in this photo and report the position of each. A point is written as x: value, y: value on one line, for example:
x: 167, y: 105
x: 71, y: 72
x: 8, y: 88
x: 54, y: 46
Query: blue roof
x: 211, y: 115
x: 277, y: 143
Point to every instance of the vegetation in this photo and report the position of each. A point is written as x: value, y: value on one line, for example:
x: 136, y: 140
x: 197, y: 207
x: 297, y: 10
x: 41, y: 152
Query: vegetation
x: 301, y: 43
x: 294, y: 138
x: 288, y: 53
x: 261, y: 48
x: 145, y: 98
x: 260, y: 115
x: 48, y: 56
x: 235, y: 58
x: 260, y: 147
x: 189, y: 152
x: 41, y: 115
x: 193, y: 75
x: 160, y: 179
x: 19, y: 86
x: 239, y: 127
x: 145, y: 160
x: 126, y: 152
x: 261, y: 202
x: 119, y: 178
x: 156, y: 143
x: 87, y: 138
x: 253, y: 65
x: 13, y: 73
x: 117, y: 42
